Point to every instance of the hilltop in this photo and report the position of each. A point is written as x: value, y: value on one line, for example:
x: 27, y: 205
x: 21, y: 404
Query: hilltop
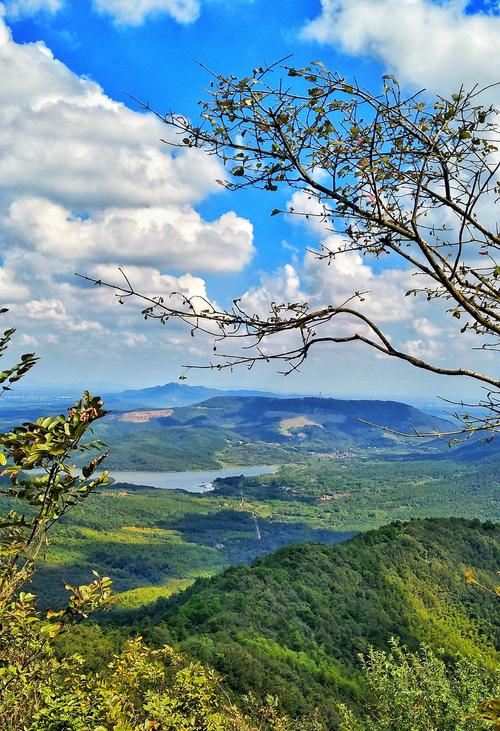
x: 317, y: 420
x: 258, y: 429
x: 293, y: 623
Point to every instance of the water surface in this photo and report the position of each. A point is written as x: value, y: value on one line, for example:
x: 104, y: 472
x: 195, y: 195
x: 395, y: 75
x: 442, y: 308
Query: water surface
x: 192, y: 480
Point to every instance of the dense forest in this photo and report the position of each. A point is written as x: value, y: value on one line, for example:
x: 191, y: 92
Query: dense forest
x: 294, y: 623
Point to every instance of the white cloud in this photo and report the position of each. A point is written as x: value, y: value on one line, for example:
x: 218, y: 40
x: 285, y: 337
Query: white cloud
x: 64, y: 139
x: 169, y: 237
x: 429, y: 350
x: 435, y: 44
x: 423, y: 326
x: 305, y: 209
x: 11, y: 290
x: 86, y: 185
x: 132, y: 340
x: 53, y: 312
x: 29, y: 340
x: 152, y: 282
x: 320, y: 285
x: 135, y: 12
x: 25, y: 8
x: 123, y: 12
x: 383, y: 292
x: 282, y: 286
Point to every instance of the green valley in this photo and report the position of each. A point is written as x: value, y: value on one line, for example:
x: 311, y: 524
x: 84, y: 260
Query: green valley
x: 145, y: 537
x: 285, y: 582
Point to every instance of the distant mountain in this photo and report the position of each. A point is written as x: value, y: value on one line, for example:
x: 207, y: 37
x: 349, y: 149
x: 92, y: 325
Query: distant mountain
x: 170, y: 395
x: 257, y: 430
x: 314, y: 421
x: 293, y: 623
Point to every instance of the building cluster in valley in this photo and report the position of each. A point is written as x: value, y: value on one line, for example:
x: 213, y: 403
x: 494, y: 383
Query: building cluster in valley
x: 333, y: 496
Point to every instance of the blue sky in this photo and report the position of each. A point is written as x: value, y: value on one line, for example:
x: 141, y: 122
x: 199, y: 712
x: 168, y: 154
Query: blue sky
x: 87, y: 185
x: 156, y: 62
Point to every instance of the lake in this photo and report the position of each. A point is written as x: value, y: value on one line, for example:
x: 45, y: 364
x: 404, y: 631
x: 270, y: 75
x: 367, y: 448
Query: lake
x: 192, y: 481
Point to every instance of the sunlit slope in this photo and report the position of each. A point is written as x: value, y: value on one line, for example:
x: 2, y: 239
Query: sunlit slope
x: 293, y: 623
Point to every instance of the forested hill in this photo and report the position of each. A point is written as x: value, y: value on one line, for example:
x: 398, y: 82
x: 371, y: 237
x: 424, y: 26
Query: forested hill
x: 143, y: 434
x: 293, y: 623
x: 323, y: 419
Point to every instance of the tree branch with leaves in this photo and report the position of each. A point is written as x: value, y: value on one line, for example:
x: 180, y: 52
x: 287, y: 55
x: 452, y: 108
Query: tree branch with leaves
x: 411, y: 180
x: 42, y: 485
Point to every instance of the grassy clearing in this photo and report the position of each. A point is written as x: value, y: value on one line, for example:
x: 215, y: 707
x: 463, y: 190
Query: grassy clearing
x: 146, y: 595
x: 296, y: 423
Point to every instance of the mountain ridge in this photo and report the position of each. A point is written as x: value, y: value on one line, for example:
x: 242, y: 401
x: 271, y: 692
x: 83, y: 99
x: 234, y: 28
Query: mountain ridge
x: 175, y: 394
x: 261, y: 430
x: 308, y: 418
x: 293, y: 622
